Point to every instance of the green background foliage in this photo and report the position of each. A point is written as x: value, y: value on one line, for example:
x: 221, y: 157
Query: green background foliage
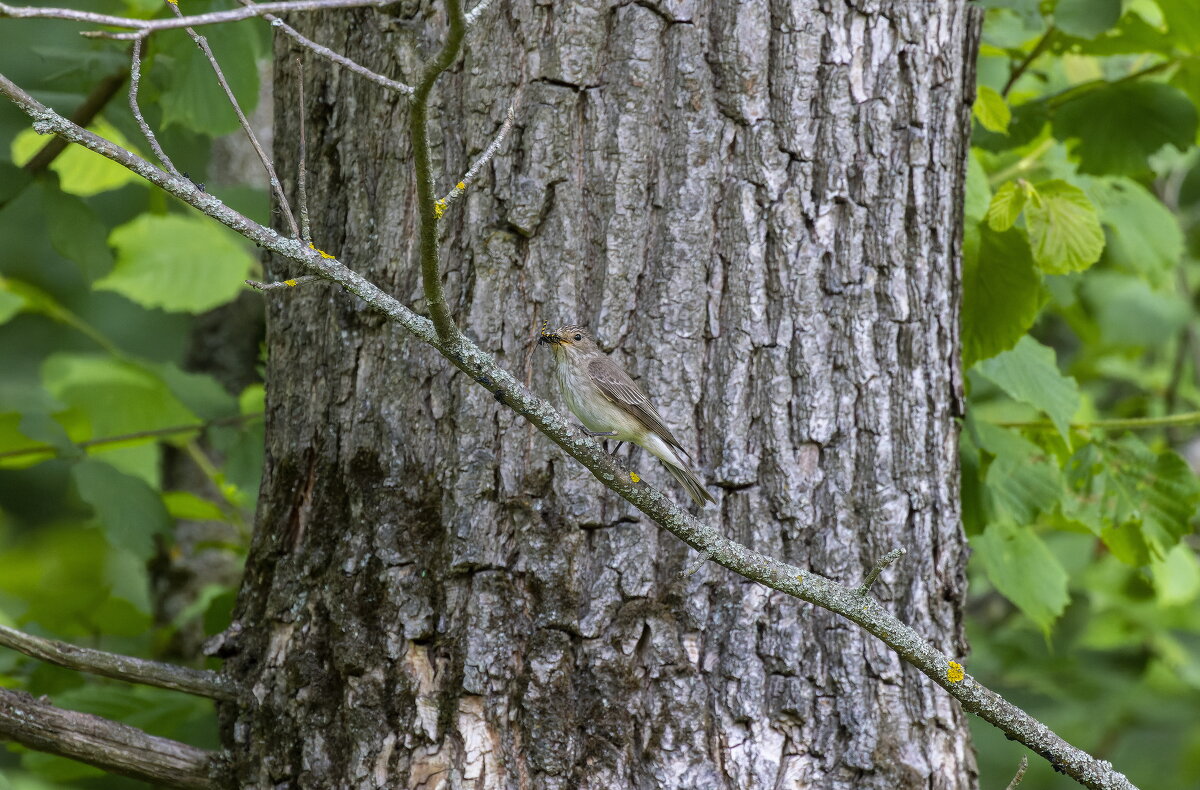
x: 1080, y: 345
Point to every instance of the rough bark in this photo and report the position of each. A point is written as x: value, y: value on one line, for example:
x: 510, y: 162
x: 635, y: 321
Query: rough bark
x: 758, y: 207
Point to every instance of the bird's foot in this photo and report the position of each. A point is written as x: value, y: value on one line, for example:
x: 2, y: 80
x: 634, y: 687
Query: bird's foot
x: 594, y: 434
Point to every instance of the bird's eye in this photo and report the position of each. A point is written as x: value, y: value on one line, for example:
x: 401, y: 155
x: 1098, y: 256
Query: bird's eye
x: 578, y: 338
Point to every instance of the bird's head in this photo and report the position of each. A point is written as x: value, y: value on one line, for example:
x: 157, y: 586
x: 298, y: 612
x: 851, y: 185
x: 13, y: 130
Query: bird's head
x: 570, y: 340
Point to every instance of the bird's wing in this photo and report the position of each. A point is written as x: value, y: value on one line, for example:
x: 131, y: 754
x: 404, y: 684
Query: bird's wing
x: 621, y: 390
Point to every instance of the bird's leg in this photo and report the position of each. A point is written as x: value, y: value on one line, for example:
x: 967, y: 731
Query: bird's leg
x: 594, y: 434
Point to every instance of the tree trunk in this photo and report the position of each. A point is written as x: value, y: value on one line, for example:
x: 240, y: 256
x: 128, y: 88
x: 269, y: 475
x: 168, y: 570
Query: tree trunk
x: 758, y: 207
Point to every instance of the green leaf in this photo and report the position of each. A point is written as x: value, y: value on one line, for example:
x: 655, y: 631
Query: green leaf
x: 1115, y: 128
x: 1021, y: 489
x: 1006, y: 205
x: 178, y: 263
x: 186, y: 505
x: 130, y: 512
x: 200, y: 392
x: 1183, y: 22
x: 10, y: 304
x: 1129, y: 312
x: 76, y: 233
x: 117, y: 397
x: 1143, y: 235
x: 193, y: 98
x: 1026, y: 572
x: 1002, y: 292
x: 80, y: 171
x: 1086, y: 18
x: 1029, y: 373
x: 978, y: 191
x: 1176, y: 576
x: 991, y: 110
x: 1064, y: 228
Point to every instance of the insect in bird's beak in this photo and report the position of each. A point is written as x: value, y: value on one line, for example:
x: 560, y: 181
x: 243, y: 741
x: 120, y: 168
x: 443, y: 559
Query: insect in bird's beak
x: 547, y: 336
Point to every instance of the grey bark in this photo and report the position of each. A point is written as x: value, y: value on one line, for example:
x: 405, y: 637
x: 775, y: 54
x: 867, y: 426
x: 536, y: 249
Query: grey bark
x: 757, y: 206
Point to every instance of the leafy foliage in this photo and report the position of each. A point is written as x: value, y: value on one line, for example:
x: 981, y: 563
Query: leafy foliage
x: 107, y: 442
x: 1084, y: 574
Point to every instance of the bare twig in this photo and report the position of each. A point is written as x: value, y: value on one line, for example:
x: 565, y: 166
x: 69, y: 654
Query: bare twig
x: 329, y: 54
x: 103, y: 743
x: 884, y: 561
x: 308, y: 278
x: 200, y: 682
x: 135, y: 78
x: 146, y: 26
x: 461, y: 187
x: 128, y: 437
x: 276, y: 186
x: 1016, y: 780
x: 1019, y: 69
x: 302, y: 176
x: 482, y: 367
x: 695, y: 566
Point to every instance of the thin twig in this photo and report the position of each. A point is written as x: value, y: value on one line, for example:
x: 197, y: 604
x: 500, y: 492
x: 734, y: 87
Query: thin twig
x: 135, y: 78
x: 1118, y: 424
x: 330, y: 55
x: 884, y: 561
x: 461, y: 187
x: 276, y: 186
x: 302, y: 176
x: 199, y: 682
x: 1033, y: 55
x: 481, y: 367
x: 103, y: 743
x: 146, y: 26
x: 1016, y: 780
x: 695, y: 566
x: 308, y: 278
x: 128, y: 437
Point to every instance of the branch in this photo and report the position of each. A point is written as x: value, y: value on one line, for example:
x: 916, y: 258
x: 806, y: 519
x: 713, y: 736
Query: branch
x: 461, y: 187
x: 105, y: 744
x: 1019, y: 69
x: 427, y: 211
x: 135, y: 79
x: 199, y: 682
x: 145, y: 27
x: 256, y: 285
x: 329, y: 54
x: 884, y: 561
x: 84, y: 115
x: 276, y: 186
x: 1120, y: 424
x: 127, y: 437
x: 482, y: 368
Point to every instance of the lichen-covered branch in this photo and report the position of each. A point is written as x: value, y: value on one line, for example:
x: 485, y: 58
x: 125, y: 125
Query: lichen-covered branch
x: 144, y: 27
x: 482, y: 368
x: 202, y: 683
x: 105, y: 744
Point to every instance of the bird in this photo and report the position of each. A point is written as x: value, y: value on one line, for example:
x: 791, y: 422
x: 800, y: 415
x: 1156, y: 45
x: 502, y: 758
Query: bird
x: 609, y: 403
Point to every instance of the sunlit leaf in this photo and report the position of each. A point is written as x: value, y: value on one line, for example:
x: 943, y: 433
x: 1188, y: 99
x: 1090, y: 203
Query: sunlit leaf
x: 178, y: 263
x: 1029, y: 373
x: 1064, y: 228
x: 80, y: 171
x: 1006, y: 205
x: 991, y: 110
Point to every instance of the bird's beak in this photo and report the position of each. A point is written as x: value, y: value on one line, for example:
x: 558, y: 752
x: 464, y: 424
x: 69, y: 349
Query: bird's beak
x: 553, y: 340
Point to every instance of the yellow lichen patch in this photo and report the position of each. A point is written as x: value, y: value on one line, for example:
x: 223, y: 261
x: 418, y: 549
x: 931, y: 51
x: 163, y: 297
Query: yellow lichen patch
x: 954, y: 673
x: 290, y: 283
x: 439, y: 208
x: 461, y: 185
x: 322, y: 253
x: 634, y: 477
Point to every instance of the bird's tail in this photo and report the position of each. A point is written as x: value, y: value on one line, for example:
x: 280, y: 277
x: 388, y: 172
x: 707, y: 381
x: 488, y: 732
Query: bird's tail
x: 691, y: 482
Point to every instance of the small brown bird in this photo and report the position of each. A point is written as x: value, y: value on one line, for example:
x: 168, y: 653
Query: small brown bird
x: 608, y: 403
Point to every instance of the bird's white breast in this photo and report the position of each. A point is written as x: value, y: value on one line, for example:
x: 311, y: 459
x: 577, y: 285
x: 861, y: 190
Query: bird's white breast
x: 590, y: 405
